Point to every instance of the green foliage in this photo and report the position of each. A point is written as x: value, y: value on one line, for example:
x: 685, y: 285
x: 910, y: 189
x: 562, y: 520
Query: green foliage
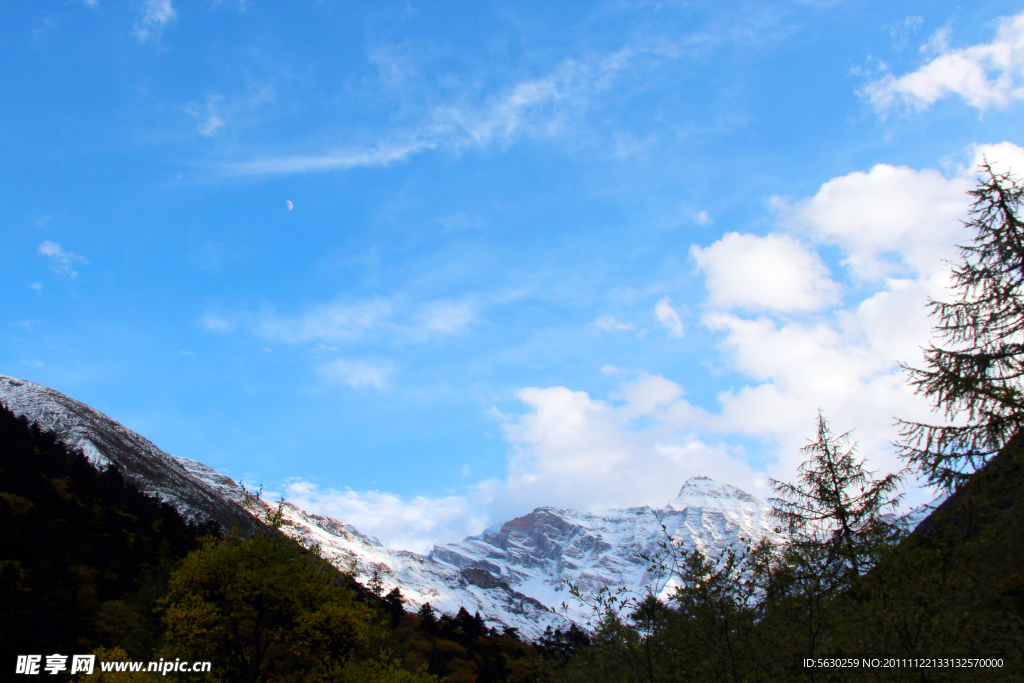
x: 463, y: 648
x: 265, y: 608
x: 976, y: 380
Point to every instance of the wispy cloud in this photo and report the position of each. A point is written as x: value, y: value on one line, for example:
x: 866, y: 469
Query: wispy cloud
x: 156, y: 14
x: 442, y: 318
x: 330, y: 323
x: 210, y: 120
x: 358, y: 374
x: 609, y: 323
x: 45, y: 26
x: 61, y: 262
x: 349, y: 321
x: 215, y: 323
x: 669, y: 317
x: 218, y: 112
x: 535, y: 107
x: 987, y: 75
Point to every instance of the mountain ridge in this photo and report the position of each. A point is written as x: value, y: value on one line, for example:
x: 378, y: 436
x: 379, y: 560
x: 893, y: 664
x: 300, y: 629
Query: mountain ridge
x: 512, y: 574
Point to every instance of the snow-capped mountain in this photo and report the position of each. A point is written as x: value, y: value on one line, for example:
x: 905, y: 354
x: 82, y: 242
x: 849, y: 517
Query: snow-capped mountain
x: 513, y: 575
x: 197, y: 491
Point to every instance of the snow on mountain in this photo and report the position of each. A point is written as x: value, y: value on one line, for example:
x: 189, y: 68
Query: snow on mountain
x: 537, y: 553
x: 513, y: 575
x: 197, y: 491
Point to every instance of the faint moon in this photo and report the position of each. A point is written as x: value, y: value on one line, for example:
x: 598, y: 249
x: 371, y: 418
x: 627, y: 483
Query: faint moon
x: 289, y: 204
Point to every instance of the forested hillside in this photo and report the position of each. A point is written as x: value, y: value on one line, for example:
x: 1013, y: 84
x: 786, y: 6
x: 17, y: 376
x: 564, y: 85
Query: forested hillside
x: 82, y: 556
x: 90, y: 565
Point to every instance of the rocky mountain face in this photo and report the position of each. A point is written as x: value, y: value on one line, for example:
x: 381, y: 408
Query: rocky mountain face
x: 513, y: 575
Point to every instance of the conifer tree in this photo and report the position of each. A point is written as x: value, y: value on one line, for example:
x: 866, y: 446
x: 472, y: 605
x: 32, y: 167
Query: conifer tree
x: 836, y: 508
x: 376, y: 582
x: 975, y: 379
x: 837, y: 533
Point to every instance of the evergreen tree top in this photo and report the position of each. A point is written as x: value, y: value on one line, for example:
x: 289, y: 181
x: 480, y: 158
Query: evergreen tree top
x: 974, y: 379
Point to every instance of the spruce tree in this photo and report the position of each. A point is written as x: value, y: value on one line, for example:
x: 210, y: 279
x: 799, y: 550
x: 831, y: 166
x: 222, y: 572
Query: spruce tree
x: 837, y: 507
x: 835, y: 515
x: 975, y: 378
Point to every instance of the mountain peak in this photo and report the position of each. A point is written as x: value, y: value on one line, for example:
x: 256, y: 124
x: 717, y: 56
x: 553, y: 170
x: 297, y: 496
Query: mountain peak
x: 708, y: 494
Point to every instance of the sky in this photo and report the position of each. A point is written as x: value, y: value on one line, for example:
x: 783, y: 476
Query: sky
x: 423, y: 267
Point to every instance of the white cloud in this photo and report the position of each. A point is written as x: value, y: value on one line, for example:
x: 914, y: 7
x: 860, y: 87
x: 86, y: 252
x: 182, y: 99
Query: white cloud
x: 668, y: 317
x: 37, y: 287
x: 1004, y: 157
x: 894, y: 226
x: 217, y: 111
x: 986, y: 75
x: 610, y: 324
x: 61, y: 262
x: 358, y: 374
x: 156, y: 15
x: 703, y: 219
x: 408, y: 524
x: 576, y: 451
x: 847, y: 366
x: 460, y: 221
x: 240, y: 5
x: 774, y: 272
x: 889, y: 221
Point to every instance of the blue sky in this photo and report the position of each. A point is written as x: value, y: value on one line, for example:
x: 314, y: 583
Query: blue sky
x: 537, y: 253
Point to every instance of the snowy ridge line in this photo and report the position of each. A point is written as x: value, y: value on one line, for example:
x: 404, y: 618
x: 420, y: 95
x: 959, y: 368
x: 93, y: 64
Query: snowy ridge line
x: 512, y: 574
